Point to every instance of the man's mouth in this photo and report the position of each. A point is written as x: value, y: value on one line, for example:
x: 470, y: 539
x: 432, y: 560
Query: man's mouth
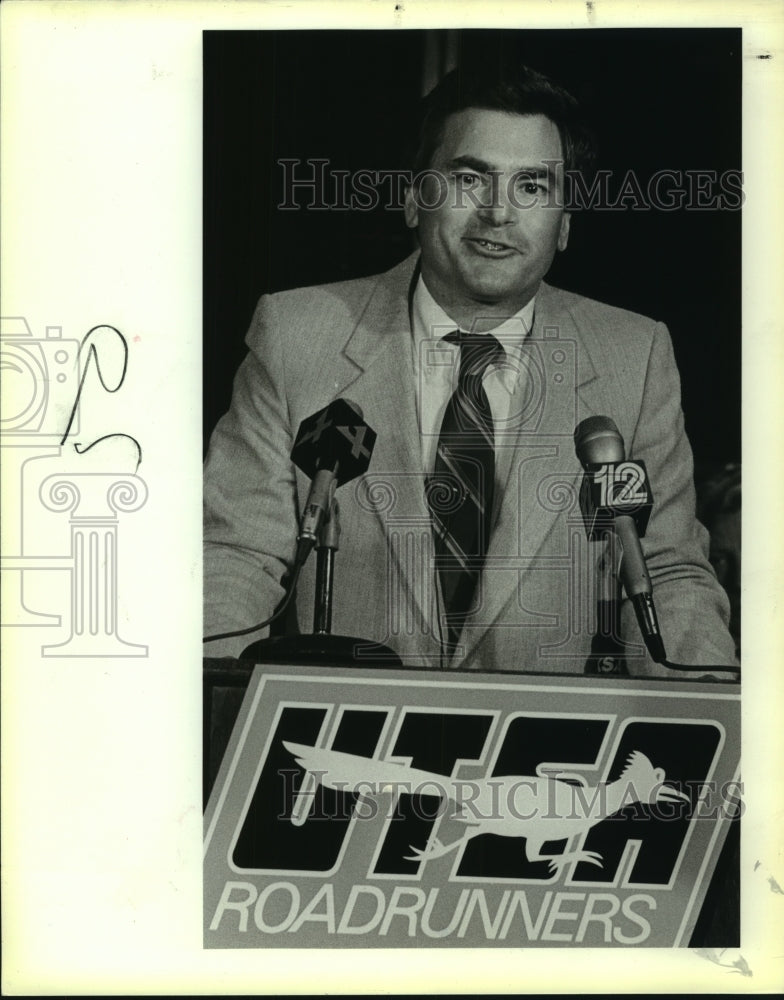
x: 490, y: 246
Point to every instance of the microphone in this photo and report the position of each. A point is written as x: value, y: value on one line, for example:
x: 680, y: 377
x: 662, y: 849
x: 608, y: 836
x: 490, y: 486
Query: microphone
x: 332, y: 446
x: 616, y: 494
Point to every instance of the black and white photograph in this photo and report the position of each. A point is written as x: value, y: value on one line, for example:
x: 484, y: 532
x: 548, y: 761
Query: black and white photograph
x: 384, y: 384
x: 421, y: 412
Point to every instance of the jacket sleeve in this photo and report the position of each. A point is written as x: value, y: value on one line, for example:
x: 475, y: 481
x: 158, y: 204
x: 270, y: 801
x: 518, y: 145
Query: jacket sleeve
x: 250, y: 494
x: 693, y: 609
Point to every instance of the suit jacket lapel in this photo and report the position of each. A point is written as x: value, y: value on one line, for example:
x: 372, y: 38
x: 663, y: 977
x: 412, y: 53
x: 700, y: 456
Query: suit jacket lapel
x: 380, y: 377
x: 557, y: 362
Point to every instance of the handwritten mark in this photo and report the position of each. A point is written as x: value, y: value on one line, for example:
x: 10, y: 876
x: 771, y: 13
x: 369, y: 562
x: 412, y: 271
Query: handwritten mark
x: 92, y: 355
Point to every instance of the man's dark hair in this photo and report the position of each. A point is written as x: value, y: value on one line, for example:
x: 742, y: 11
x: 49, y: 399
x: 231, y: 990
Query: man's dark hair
x: 523, y: 92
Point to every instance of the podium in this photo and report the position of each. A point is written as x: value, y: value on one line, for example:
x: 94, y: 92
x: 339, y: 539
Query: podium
x: 391, y: 807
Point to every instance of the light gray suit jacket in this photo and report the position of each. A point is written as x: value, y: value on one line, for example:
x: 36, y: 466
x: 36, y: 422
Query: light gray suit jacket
x: 538, y: 596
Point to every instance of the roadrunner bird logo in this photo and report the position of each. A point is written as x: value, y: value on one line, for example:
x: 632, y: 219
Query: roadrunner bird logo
x: 538, y: 808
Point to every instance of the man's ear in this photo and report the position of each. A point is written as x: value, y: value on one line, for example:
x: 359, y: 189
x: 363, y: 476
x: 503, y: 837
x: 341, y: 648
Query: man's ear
x: 410, y: 208
x: 563, y: 235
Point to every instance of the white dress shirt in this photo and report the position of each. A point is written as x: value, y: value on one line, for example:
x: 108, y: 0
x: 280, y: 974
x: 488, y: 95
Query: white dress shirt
x: 436, y: 368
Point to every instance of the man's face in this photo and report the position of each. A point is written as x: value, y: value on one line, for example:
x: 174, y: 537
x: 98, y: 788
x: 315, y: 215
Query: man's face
x: 496, y: 224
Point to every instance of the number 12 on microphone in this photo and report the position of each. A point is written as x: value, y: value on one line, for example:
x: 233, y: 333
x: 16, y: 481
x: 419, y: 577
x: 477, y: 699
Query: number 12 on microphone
x: 615, y: 488
x: 621, y: 483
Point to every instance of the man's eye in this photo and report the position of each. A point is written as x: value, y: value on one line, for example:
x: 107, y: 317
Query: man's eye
x: 529, y: 186
x: 467, y: 180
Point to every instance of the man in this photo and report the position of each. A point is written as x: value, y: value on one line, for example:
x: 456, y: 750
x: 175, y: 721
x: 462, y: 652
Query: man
x: 463, y: 545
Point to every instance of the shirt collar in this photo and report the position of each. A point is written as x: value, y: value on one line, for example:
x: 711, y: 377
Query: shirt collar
x: 431, y: 322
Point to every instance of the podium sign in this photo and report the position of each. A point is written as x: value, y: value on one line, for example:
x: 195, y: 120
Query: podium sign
x: 366, y: 807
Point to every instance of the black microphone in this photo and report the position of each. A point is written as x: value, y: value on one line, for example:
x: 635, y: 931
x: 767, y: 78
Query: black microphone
x: 616, y: 494
x: 332, y: 446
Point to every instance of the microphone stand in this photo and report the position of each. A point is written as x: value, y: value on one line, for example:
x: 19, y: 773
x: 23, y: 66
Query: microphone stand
x: 322, y: 648
x: 607, y: 648
x: 328, y: 545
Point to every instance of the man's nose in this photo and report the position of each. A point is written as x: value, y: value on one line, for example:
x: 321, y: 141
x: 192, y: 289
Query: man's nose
x: 497, y: 208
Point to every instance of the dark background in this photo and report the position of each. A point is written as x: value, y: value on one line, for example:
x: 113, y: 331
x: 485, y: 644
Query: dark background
x: 658, y: 99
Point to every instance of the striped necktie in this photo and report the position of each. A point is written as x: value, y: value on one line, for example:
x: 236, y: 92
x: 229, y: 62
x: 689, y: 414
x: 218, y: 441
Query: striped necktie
x: 460, y: 490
